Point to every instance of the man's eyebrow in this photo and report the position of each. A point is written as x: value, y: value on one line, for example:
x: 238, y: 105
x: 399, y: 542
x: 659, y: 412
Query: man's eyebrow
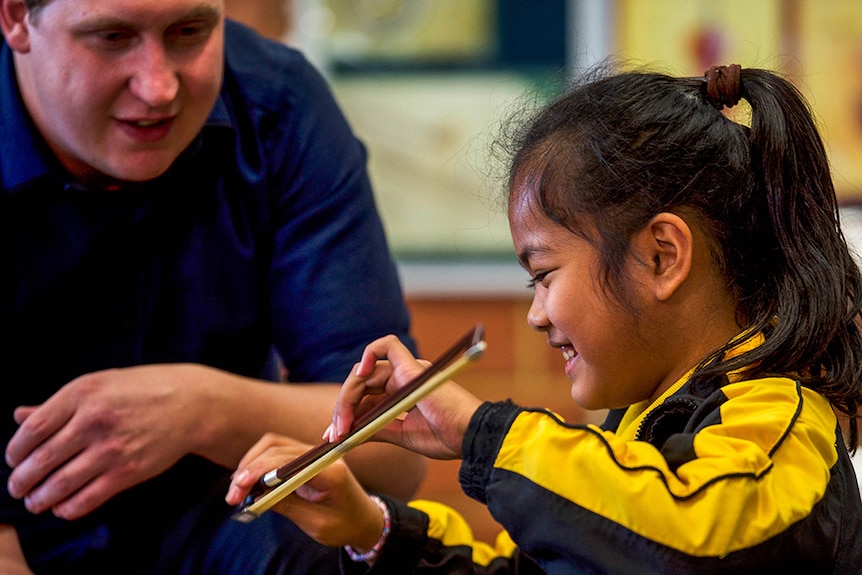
x: 199, y: 12
x: 202, y: 11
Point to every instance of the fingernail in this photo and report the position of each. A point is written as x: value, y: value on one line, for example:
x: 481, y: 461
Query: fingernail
x: 232, y: 493
x: 32, y: 506
x: 343, y: 428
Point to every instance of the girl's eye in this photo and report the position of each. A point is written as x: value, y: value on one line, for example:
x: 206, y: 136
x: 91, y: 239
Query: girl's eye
x: 536, y: 279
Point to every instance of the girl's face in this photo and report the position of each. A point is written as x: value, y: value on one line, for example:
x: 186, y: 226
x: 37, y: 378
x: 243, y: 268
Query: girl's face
x: 610, y: 358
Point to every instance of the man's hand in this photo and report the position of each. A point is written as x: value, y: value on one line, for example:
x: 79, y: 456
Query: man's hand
x: 101, y: 434
x: 110, y: 430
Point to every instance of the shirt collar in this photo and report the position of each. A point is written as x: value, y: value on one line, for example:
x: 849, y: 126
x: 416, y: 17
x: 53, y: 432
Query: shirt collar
x: 22, y: 153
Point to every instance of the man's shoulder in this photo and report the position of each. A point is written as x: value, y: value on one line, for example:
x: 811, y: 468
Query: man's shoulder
x: 272, y: 89
x: 266, y: 71
x: 21, y: 159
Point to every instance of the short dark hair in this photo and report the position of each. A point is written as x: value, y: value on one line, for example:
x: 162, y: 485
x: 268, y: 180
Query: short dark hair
x: 34, y: 6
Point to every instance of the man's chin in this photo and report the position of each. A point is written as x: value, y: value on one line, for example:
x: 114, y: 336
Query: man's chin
x: 134, y: 173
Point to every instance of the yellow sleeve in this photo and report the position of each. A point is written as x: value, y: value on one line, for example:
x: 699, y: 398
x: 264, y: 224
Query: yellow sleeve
x: 451, y: 529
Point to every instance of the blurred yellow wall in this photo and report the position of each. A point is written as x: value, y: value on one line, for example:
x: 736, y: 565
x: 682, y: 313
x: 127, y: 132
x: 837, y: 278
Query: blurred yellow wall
x: 830, y: 56
x: 426, y: 132
x: 817, y: 43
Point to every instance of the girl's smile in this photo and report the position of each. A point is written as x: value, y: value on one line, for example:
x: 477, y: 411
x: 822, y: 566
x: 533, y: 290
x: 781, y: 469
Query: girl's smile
x: 569, y: 355
x: 626, y: 345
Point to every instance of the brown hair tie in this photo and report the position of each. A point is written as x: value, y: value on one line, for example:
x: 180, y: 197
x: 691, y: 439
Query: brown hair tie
x: 722, y: 85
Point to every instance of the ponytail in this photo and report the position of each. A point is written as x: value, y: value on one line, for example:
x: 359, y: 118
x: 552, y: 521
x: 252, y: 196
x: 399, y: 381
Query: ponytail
x: 810, y: 296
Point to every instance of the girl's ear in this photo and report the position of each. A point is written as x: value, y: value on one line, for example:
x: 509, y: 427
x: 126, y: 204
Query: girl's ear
x: 15, y: 24
x: 666, y: 246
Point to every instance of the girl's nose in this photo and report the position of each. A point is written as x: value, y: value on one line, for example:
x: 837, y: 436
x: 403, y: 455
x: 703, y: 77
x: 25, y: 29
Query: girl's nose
x: 536, y: 317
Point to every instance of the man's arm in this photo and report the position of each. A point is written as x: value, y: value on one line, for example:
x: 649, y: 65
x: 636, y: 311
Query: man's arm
x: 110, y: 430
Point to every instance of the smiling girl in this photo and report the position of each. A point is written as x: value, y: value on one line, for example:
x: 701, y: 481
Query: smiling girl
x: 692, y: 272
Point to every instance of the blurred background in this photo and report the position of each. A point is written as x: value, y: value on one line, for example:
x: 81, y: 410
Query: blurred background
x: 427, y: 84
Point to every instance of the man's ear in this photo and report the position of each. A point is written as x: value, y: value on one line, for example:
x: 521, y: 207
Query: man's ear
x: 15, y: 24
x: 666, y: 246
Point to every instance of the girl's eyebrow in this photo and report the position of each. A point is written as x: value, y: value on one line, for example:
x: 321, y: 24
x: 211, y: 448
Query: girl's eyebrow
x: 528, y: 252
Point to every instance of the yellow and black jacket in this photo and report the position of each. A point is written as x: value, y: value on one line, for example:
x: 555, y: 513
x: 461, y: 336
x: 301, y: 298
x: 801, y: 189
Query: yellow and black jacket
x: 748, y: 477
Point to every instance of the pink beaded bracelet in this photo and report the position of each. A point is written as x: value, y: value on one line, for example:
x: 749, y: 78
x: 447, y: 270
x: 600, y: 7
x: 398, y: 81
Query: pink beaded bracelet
x: 371, y: 555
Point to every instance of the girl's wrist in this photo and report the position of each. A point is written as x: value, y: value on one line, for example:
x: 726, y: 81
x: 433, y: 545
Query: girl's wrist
x: 371, y: 555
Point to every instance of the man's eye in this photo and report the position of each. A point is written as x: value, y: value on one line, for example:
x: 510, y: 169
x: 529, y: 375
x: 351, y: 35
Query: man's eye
x: 191, y: 32
x: 113, y: 36
x: 109, y: 39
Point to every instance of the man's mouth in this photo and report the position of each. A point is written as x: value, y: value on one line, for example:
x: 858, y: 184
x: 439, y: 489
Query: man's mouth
x: 147, y: 123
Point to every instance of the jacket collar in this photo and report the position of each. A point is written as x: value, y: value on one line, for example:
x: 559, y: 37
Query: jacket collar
x: 632, y: 420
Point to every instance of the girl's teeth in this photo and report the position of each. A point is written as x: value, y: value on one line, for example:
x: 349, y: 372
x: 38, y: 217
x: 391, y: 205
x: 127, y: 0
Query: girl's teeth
x: 568, y: 353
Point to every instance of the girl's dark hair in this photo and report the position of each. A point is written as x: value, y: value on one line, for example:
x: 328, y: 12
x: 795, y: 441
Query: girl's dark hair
x: 620, y: 148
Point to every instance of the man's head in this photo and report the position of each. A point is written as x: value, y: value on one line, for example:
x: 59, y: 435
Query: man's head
x: 118, y: 88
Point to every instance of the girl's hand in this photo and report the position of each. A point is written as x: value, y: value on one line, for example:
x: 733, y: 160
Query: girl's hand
x: 434, y: 428
x: 332, y: 508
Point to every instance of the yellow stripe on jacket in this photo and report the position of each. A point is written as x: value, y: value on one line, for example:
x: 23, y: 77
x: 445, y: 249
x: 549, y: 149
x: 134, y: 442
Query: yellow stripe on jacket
x: 757, y: 472
x: 450, y: 528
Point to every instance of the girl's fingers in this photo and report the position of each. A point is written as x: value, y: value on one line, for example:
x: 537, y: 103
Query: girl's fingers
x: 270, y: 452
x: 386, y: 365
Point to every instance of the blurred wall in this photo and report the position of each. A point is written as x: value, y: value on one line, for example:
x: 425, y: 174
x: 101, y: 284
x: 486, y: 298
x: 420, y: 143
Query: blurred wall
x: 272, y: 18
x: 419, y: 82
x: 817, y: 43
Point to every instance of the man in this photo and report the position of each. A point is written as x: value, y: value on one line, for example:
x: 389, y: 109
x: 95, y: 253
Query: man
x: 185, y: 213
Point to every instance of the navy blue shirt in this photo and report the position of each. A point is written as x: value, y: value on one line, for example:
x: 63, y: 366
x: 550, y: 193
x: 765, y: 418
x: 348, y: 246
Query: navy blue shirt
x: 263, y: 235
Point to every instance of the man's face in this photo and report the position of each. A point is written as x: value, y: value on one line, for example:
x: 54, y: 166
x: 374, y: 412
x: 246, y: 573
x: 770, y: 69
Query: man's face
x: 119, y: 88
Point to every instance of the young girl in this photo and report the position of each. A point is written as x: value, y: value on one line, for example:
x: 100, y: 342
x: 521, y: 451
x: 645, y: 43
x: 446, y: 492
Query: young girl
x: 693, y: 274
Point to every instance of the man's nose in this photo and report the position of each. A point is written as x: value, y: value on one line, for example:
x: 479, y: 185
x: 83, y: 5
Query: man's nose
x: 154, y: 80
